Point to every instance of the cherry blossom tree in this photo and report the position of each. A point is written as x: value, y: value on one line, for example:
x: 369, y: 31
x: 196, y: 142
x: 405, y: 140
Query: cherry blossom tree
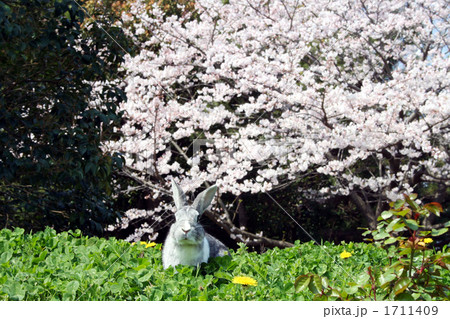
x: 255, y: 95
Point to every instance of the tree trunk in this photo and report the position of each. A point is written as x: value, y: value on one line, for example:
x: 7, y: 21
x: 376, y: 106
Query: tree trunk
x: 242, y: 213
x: 365, y: 209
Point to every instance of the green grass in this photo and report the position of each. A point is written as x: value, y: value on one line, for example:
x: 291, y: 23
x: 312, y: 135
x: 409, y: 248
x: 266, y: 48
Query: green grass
x: 69, y: 266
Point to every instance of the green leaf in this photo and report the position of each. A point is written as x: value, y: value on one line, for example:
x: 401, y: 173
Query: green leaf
x: 391, y: 225
x: 315, y: 284
x: 398, y: 204
x: 405, y: 251
x: 403, y: 212
x: 41, y: 257
x: 412, y: 196
x: 401, y: 285
x: 5, y: 257
x: 320, y: 298
x: 117, y: 286
x: 144, y: 263
x: 302, y: 282
x: 390, y: 240
x: 381, y: 235
x: 405, y: 296
x: 411, y: 224
x: 387, y: 214
x: 411, y: 202
x: 385, y: 278
x: 72, y: 287
x: 351, y: 290
x: 146, y: 277
x: 434, y: 208
x: 399, y: 227
x: 438, y: 232
x: 334, y: 293
x: 18, y: 231
x: 325, y: 282
x: 223, y: 275
x: 424, y: 233
x: 363, y: 279
x: 15, y: 291
x: 321, y: 269
x: 367, y: 232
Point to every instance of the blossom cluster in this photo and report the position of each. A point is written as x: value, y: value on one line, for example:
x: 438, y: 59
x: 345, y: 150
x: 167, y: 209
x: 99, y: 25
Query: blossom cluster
x: 356, y: 91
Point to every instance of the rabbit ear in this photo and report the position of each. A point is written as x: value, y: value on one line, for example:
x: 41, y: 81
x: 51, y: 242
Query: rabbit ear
x: 205, y: 198
x: 178, y: 195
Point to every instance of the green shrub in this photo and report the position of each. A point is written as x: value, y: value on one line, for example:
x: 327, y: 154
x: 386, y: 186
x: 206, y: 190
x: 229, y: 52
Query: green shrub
x: 52, y: 169
x: 401, y: 264
x: 416, y: 271
x: 68, y: 266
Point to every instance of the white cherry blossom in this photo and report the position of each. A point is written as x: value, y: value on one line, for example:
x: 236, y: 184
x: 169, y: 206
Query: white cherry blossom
x: 355, y: 91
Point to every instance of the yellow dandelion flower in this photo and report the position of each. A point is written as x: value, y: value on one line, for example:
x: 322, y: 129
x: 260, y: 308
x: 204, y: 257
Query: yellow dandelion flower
x: 428, y: 240
x: 245, y: 281
x: 345, y: 254
x: 147, y: 245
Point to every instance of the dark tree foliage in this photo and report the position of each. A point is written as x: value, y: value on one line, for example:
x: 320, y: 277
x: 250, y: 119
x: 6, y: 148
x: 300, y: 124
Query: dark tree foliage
x: 52, y: 169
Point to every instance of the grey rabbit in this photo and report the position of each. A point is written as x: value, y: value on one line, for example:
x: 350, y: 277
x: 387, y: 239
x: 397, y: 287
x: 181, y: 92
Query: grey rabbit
x: 187, y: 243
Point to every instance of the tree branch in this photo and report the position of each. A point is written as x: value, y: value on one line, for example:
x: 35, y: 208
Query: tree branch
x: 126, y: 171
x: 225, y: 222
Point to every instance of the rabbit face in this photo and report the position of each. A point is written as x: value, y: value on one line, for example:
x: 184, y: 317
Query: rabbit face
x: 187, y: 230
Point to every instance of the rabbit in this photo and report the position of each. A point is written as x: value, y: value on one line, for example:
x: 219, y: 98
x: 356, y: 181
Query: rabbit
x: 187, y: 243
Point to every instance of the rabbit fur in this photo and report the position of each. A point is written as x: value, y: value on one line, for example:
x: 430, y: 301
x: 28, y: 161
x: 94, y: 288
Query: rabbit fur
x: 187, y: 243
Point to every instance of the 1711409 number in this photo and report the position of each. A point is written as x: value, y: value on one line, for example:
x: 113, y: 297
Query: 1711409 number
x: 411, y: 310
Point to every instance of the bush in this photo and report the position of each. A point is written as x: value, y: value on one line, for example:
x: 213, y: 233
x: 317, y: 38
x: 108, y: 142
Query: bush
x: 70, y: 266
x: 53, y: 118
x: 416, y: 271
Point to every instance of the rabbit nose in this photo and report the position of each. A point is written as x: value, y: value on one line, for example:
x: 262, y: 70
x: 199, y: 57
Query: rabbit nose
x: 186, y: 228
